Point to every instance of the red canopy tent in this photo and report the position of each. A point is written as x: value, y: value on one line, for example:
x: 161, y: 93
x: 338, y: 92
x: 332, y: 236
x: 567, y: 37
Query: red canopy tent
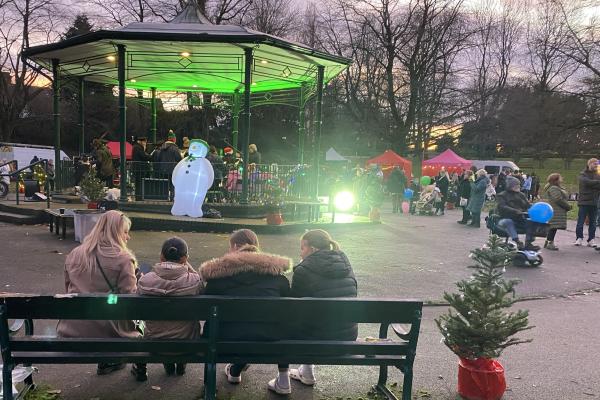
x: 389, y: 160
x: 115, y: 149
x: 448, y: 159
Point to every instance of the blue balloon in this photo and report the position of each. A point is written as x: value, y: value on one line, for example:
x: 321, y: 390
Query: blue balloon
x: 408, y: 193
x: 541, y: 212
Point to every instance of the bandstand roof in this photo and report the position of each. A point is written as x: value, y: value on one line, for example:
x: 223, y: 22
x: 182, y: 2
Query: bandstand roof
x: 189, y: 54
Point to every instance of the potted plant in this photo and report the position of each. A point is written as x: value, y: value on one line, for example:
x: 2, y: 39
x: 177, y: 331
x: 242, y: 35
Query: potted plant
x: 92, y: 190
x: 274, y: 202
x: 481, y: 327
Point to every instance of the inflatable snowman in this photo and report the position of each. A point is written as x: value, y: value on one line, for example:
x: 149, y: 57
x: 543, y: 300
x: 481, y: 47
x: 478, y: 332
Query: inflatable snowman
x: 192, y: 177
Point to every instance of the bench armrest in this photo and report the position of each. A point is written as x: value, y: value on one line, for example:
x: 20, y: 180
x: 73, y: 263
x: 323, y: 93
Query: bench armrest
x: 401, y: 332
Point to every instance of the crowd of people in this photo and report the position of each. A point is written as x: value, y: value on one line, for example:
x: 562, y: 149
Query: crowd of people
x: 512, y: 193
x: 103, y: 263
x: 157, y: 161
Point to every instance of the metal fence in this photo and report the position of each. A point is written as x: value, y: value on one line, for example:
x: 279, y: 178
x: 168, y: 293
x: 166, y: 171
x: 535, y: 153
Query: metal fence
x: 151, y: 181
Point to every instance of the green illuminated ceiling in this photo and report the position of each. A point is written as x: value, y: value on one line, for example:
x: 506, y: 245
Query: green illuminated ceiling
x: 189, y: 57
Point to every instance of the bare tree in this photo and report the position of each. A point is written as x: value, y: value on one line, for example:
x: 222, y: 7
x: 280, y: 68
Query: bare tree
x: 546, y: 35
x: 22, y: 22
x: 275, y: 17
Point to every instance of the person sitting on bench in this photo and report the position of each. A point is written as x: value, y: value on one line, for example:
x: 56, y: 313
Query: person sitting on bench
x: 512, y: 208
x: 172, y: 276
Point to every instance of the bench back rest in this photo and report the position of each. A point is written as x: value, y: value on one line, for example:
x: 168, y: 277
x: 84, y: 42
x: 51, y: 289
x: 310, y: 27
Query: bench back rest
x: 247, y: 309
x: 210, y: 308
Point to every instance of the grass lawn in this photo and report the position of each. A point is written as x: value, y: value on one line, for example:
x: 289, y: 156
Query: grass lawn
x: 551, y: 165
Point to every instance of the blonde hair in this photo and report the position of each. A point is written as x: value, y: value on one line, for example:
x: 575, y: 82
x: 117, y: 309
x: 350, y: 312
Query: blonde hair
x: 320, y: 240
x: 592, y: 161
x: 105, y: 239
x: 481, y: 172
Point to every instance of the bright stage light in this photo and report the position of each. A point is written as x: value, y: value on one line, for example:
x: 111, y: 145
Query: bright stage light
x: 343, y: 201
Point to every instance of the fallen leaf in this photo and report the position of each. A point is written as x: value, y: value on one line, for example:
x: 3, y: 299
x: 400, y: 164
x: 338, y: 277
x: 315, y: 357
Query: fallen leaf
x: 54, y: 391
x: 78, y: 385
x: 155, y: 387
x: 588, y: 393
x: 517, y: 377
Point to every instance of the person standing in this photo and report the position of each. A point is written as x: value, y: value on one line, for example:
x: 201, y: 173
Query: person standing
x: 254, y: 156
x: 442, y: 182
x: 527, y: 186
x: 102, y: 264
x: 141, y: 165
x: 477, y: 198
x: 589, y: 194
x: 168, y: 158
x: 104, y: 163
x: 558, y: 198
x: 396, y: 184
x: 464, y: 194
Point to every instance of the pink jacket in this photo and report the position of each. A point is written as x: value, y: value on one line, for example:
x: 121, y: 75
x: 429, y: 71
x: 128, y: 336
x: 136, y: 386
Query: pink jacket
x: 171, y: 279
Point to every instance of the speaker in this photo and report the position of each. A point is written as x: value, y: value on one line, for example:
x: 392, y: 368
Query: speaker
x: 31, y: 186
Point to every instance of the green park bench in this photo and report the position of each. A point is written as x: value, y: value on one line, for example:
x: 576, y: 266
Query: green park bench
x: 210, y: 349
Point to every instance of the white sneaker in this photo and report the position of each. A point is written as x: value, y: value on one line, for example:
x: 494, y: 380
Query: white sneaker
x: 578, y: 242
x: 275, y: 386
x: 297, y: 375
x: 592, y: 243
x: 231, y: 378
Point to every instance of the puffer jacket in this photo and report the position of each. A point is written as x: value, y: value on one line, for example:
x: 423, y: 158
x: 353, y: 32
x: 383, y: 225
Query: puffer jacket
x: 512, y: 205
x: 558, y: 198
x: 326, y: 274
x: 589, y: 188
x: 477, y: 198
x: 247, y: 273
x: 171, y: 279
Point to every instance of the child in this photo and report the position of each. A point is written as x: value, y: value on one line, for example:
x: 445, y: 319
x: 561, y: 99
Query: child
x: 172, y: 276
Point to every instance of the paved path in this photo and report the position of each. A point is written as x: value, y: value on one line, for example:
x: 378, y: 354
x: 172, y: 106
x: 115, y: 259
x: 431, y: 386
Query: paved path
x: 405, y: 257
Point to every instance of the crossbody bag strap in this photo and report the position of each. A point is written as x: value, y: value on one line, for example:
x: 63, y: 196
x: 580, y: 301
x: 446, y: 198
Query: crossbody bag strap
x: 110, y: 286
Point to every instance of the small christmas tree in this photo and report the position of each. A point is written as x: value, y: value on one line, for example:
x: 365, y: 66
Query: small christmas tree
x: 481, y: 326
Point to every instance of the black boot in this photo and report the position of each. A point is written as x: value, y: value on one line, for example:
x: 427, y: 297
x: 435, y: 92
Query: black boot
x: 530, y: 246
x: 169, y: 369
x: 139, y: 371
x: 104, y: 369
x: 180, y: 370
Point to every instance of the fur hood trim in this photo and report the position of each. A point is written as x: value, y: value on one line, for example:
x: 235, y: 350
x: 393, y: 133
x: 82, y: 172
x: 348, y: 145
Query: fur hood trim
x: 246, y: 259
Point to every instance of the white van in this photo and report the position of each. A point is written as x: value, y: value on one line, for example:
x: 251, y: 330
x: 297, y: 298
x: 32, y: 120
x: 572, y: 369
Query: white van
x: 493, y: 167
x: 24, y: 153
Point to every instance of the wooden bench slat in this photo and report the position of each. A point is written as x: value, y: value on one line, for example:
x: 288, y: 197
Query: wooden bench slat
x: 337, y: 360
x: 257, y: 309
x: 313, y: 348
x: 53, y: 344
x: 94, y: 358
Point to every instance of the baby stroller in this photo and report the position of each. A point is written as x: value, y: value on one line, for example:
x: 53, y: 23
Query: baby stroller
x: 522, y: 258
x: 427, y: 199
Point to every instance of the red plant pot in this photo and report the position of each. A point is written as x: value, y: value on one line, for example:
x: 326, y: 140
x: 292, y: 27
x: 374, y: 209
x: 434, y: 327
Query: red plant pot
x: 92, y: 205
x: 481, y: 379
x: 274, y: 219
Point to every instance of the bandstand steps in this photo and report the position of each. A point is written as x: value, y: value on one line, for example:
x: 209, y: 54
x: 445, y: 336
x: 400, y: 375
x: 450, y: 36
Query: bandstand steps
x: 19, y: 218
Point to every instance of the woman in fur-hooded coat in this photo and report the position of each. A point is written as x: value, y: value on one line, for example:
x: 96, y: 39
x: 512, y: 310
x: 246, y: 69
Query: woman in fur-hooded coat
x: 246, y: 271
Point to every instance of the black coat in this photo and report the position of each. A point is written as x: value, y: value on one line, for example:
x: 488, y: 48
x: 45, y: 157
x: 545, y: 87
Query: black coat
x: 442, y: 183
x: 325, y: 273
x: 512, y: 205
x: 139, y: 154
x: 247, y: 273
x: 464, y: 188
x: 168, y: 156
x: 589, y: 188
x: 396, y: 181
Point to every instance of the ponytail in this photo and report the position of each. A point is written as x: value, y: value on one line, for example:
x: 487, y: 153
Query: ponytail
x: 320, y: 240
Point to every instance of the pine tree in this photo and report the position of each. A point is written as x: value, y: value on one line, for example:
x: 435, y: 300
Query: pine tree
x: 481, y: 326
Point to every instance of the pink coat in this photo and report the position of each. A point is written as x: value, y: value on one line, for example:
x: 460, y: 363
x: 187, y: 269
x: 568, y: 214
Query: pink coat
x: 171, y: 279
x: 120, y: 271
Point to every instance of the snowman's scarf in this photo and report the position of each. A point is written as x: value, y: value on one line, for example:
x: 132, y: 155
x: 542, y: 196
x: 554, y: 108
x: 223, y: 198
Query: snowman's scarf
x: 191, y: 158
